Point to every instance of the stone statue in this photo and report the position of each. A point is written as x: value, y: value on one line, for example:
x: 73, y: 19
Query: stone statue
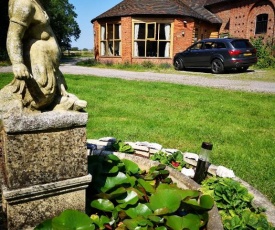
x: 38, y: 84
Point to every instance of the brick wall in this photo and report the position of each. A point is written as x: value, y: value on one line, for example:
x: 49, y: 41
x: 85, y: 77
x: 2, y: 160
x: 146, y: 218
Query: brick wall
x: 183, y: 37
x: 239, y: 18
x: 96, y: 39
x: 126, y: 39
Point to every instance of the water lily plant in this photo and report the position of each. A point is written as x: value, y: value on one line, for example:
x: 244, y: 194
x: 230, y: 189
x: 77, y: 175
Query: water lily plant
x: 121, y: 196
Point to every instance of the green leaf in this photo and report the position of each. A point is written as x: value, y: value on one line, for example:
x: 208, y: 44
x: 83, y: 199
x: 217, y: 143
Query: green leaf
x: 111, y: 182
x: 161, y: 228
x: 131, y: 198
x: 160, y: 167
x: 72, y: 220
x: 46, y: 225
x: 132, y: 180
x: 131, y: 224
x: 103, y: 205
x: 206, y: 202
x: 139, y: 210
x: 190, y: 221
x: 100, y: 221
x: 131, y: 167
x: 116, y: 193
x: 122, y: 147
x: 146, y: 185
x: 189, y: 194
x: 110, y: 169
x: 177, y: 156
x: 155, y: 218
x: 165, y: 200
x: 113, y: 157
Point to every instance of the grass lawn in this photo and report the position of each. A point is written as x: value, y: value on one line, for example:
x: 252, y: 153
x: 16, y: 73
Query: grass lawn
x: 240, y: 125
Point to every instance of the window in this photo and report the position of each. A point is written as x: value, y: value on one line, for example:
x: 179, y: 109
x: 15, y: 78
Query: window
x: 110, y: 39
x: 218, y: 45
x: 196, y: 46
x: 261, y: 23
x: 241, y: 44
x: 152, y: 39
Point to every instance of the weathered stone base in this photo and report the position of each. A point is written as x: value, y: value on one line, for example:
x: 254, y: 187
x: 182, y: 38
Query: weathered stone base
x: 43, y: 151
x: 30, y: 206
x: 43, y: 161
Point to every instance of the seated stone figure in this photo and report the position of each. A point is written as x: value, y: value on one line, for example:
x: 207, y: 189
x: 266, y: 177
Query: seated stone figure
x: 38, y: 84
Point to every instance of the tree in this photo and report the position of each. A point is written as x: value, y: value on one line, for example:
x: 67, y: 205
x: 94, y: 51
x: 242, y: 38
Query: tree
x: 4, y: 22
x: 62, y: 18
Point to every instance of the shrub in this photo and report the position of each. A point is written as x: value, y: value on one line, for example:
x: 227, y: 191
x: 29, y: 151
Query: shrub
x: 264, y: 52
x: 147, y: 64
x: 109, y: 63
x: 88, y: 62
x: 165, y: 66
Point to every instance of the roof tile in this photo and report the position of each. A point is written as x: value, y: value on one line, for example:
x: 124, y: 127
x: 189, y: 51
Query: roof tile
x: 159, y: 7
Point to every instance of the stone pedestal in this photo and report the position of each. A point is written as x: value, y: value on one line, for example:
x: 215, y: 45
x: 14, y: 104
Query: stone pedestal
x: 44, y: 166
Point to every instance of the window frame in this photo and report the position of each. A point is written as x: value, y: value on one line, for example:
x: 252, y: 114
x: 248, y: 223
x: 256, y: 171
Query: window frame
x: 154, y: 39
x: 111, y: 42
x: 261, y: 23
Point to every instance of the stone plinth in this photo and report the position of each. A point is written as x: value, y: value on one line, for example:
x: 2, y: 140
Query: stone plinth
x: 43, y: 160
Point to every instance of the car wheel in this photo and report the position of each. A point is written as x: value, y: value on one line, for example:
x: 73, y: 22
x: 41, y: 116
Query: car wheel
x: 217, y: 66
x: 178, y: 63
x: 242, y: 69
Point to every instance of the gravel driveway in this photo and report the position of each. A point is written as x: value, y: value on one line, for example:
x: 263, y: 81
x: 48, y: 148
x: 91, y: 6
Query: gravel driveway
x: 251, y: 86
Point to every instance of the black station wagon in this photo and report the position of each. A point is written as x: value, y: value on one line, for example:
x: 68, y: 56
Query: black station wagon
x: 218, y: 55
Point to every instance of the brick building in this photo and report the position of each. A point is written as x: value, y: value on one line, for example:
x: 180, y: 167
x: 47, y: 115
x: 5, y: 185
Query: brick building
x: 134, y: 31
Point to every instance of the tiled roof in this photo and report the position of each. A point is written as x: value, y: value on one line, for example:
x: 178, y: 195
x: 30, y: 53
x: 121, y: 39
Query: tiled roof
x: 211, y: 2
x: 158, y: 7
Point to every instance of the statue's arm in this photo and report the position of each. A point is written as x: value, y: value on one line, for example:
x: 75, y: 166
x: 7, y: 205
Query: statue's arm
x: 20, y: 13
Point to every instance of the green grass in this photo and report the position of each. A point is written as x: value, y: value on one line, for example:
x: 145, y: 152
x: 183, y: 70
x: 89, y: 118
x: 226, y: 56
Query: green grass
x: 241, y: 125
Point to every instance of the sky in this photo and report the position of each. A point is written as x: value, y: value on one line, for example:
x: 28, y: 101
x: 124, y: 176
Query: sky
x: 86, y: 10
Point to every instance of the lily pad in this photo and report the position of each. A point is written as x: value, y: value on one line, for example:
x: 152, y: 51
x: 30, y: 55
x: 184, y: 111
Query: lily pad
x: 166, y: 200
x: 137, y: 223
x: 131, y: 198
x: 103, y: 204
x: 190, y: 221
x: 139, y: 210
x: 146, y: 185
x: 46, y: 225
x: 130, y: 166
x: 72, y: 220
x: 111, y: 182
x: 100, y: 221
x: 205, y: 203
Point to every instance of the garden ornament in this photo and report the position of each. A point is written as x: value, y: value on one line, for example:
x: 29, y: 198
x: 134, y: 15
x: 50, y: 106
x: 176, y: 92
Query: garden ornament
x: 38, y: 84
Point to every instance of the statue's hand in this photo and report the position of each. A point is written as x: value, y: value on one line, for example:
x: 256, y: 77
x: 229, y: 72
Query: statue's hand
x: 63, y: 91
x: 20, y: 71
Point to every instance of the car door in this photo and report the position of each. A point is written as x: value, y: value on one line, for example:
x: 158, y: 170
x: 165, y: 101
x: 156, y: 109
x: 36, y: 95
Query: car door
x: 206, y: 54
x: 192, y: 55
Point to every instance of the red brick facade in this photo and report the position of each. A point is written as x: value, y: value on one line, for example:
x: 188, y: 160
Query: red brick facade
x: 238, y: 20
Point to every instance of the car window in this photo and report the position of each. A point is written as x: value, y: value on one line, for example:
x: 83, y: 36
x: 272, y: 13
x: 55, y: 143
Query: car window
x: 219, y: 45
x: 196, y: 46
x: 208, y: 45
x: 239, y: 44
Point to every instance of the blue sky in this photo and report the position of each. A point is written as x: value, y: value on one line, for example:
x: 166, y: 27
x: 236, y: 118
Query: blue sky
x: 87, y: 10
